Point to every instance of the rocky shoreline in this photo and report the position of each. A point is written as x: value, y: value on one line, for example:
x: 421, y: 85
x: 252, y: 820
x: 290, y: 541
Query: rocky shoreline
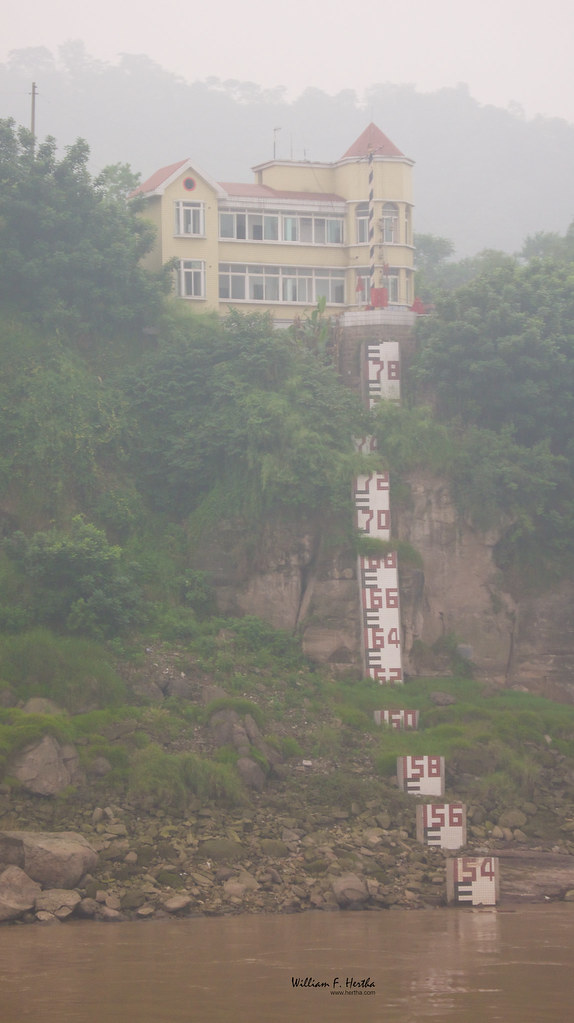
x: 256, y: 860
x: 312, y: 821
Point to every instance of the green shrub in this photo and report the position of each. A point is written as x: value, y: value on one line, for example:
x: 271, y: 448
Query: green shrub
x: 355, y: 718
x: 77, y: 581
x: 155, y: 779
x: 161, y: 779
x: 73, y: 672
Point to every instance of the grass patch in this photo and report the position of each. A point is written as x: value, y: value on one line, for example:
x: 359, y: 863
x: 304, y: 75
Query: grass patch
x: 167, y: 780
x: 75, y: 673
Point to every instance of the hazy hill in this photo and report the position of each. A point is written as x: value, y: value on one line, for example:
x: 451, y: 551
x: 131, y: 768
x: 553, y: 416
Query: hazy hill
x: 485, y: 177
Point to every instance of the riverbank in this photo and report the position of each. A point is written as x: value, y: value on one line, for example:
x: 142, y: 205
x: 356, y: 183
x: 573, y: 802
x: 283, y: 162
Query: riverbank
x: 277, y: 857
x: 281, y: 796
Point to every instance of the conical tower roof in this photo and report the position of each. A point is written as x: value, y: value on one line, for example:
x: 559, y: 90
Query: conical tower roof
x: 372, y: 140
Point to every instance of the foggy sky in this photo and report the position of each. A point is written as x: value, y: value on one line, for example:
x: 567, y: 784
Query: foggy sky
x: 507, y: 51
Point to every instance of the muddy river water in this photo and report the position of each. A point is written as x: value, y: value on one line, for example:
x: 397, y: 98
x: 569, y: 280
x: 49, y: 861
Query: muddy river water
x: 469, y: 965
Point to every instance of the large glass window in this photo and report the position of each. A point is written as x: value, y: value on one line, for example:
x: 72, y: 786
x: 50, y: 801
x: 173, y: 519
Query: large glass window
x: 391, y: 283
x: 390, y: 223
x: 389, y: 280
x: 190, y: 219
x: 192, y: 278
x: 286, y: 227
x: 408, y: 231
x: 304, y: 285
x: 362, y: 223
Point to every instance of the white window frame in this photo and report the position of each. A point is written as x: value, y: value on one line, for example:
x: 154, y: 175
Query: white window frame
x: 362, y: 223
x: 189, y: 219
x: 291, y: 227
x: 191, y: 279
x: 390, y: 281
x: 390, y: 224
x: 286, y: 285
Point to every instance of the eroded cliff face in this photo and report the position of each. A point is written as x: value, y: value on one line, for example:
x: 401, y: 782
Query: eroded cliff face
x: 525, y: 639
x: 459, y: 590
x: 291, y: 576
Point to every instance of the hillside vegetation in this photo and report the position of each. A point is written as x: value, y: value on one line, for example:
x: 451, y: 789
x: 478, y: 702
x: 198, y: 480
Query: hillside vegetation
x: 128, y: 426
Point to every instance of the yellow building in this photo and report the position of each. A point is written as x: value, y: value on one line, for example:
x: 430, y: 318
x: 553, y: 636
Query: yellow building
x: 300, y: 232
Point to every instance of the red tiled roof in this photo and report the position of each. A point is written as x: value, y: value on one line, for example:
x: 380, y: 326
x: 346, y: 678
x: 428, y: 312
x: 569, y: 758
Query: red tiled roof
x: 265, y: 192
x: 159, y: 177
x: 371, y: 140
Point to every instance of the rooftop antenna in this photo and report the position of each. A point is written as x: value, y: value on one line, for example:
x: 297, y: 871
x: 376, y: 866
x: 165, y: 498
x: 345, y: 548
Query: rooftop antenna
x: 275, y: 132
x: 34, y: 93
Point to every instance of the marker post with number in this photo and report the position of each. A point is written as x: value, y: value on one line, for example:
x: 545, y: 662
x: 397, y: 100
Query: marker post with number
x: 473, y: 880
x: 442, y: 825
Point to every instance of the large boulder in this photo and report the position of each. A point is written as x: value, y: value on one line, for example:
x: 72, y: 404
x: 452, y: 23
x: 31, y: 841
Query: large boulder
x: 350, y: 891
x: 18, y: 893
x: 61, y: 902
x: 47, y: 767
x: 55, y: 859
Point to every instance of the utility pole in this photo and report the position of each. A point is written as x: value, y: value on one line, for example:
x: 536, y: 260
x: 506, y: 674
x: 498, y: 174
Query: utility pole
x: 275, y: 133
x: 33, y: 113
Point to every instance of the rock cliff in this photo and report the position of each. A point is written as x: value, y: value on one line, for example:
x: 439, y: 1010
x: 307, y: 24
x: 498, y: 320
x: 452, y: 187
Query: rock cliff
x: 298, y: 581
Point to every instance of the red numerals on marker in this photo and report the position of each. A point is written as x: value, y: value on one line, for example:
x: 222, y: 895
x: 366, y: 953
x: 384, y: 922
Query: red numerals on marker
x: 437, y: 816
x: 455, y: 816
x: 468, y: 874
x: 487, y: 869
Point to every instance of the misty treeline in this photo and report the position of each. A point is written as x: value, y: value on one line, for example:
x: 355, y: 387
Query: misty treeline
x: 484, y: 177
x: 130, y: 427
x: 489, y: 402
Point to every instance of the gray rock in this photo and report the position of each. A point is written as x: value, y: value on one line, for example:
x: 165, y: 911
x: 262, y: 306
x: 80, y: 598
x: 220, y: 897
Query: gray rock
x: 234, y: 889
x: 88, y: 908
x: 56, y: 899
x: 46, y: 768
x: 18, y: 893
x: 177, y: 904
x: 250, y: 774
x: 274, y: 848
x: 110, y: 915
x: 221, y: 724
x: 512, y: 819
x: 55, y: 859
x: 349, y: 891
x: 39, y: 705
x: 252, y: 730
x: 442, y: 699
x: 240, y: 739
x: 99, y: 767
x: 221, y: 849
x: 145, y: 911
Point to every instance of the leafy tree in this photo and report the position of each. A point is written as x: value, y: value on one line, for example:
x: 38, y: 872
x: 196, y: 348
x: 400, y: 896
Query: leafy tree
x: 241, y: 404
x: 70, y: 247
x: 58, y: 424
x: 497, y: 362
x: 500, y: 352
x: 549, y: 245
x: 77, y: 580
